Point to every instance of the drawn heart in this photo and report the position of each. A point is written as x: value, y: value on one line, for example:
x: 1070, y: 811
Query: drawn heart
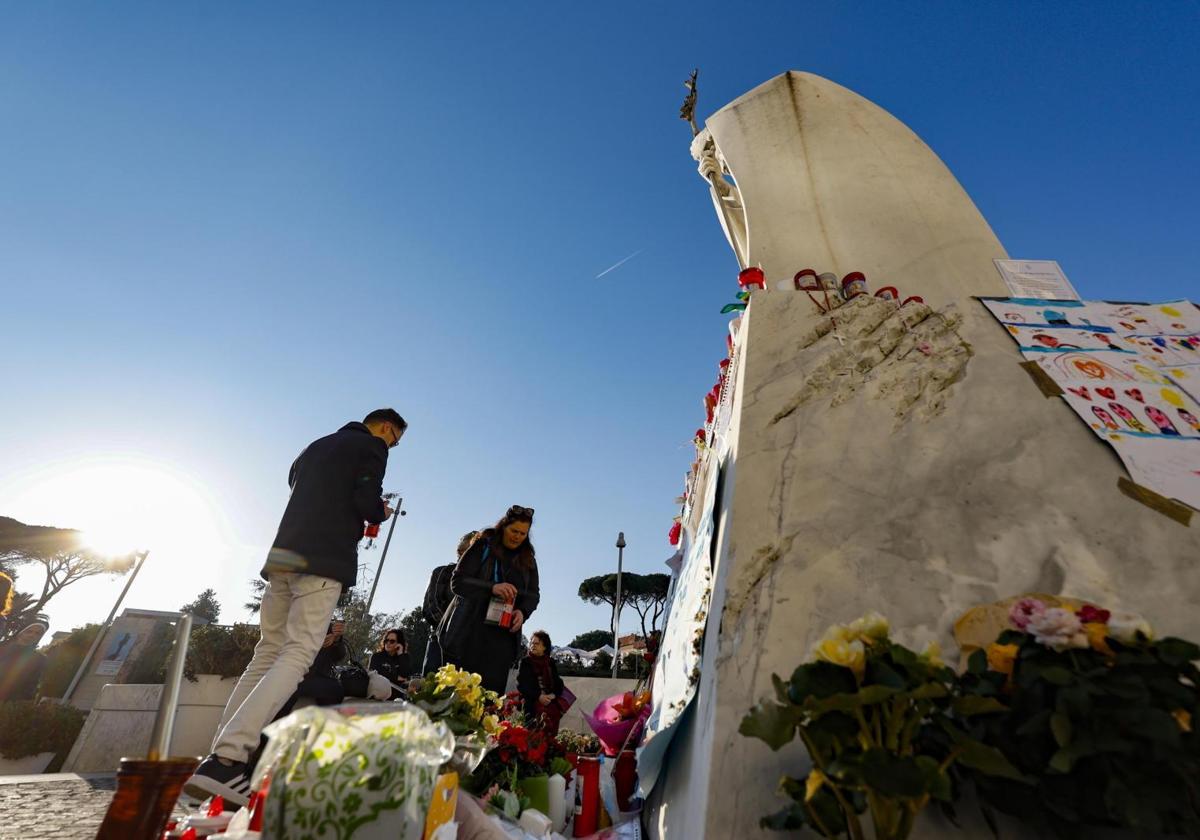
x: 1135, y: 393
x: 1081, y: 391
x: 1107, y: 393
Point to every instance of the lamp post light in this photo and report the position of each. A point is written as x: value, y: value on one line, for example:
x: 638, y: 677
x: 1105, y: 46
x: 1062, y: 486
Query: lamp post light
x: 617, y: 605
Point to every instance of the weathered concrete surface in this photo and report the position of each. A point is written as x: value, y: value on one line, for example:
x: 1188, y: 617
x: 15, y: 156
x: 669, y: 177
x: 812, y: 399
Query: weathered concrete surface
x: 122, y: 718
x: 868, y: 473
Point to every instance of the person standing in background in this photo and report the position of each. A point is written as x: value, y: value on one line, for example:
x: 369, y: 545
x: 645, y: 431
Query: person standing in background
x: 336, y: 485
x: 21, y: 665
x: 496, y: 589
x: 540, y: 685
x: 437, y: 598
x: 391, y: 661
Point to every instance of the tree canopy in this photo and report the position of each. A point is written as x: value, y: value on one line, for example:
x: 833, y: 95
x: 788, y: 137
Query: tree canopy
x: 647, y: 594
x: 63, y: 556
x: 204, y: 606
x: 592, y: 640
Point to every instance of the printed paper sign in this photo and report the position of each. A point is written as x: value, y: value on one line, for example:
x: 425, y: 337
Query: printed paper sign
x: 1043, y: 279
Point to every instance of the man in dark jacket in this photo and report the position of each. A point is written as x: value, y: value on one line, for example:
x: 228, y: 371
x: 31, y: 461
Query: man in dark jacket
x: 337, y: 484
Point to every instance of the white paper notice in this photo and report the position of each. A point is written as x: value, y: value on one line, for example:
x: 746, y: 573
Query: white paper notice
x: 1042, y: 279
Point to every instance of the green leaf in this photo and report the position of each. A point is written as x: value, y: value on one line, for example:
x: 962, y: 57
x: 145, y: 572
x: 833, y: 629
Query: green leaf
x: 937, y: 782
x: 866, y: 696
x: 1060, y: 727
x: 1177, y: 651
x: 892, y: 775
x: 1056, y: 675
x: 1157, y: 725
x: 987, y: 760
x: 929, y: 691
x: 820, y: 679
x: 880, y: 673
x: 781, y: 693
x: 1062, y: 761
x: 772, y: 723
x: 789, y: 819
x: 974, y: 704
x: 977, y: 662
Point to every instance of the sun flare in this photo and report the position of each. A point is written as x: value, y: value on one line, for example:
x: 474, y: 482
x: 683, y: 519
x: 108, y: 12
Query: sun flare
x: 125, y: 504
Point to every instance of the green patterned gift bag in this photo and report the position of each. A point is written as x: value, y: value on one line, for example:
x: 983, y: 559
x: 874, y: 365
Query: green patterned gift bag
x: 352, y: 772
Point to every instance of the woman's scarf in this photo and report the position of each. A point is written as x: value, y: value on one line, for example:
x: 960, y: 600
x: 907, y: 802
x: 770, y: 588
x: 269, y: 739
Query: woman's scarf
x: 541, y: 669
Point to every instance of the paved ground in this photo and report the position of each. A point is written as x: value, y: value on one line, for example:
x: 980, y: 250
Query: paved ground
x: 56, y: 806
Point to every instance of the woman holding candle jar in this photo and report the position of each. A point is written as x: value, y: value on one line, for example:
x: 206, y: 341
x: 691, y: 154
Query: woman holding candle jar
x: 495, y: 586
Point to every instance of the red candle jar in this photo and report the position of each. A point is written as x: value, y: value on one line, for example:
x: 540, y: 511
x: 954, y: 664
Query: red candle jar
x: 752, y: 276
x: 806, y: 280
x: 853, y: 285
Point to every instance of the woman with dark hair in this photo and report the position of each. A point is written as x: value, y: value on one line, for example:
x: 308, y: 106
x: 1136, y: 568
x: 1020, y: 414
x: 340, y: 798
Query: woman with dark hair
x: 495, y: 585
x: 391, y: 660
x: 540, y: 685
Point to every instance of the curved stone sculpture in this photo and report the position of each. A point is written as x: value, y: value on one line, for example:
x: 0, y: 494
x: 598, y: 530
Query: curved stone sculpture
x: 881, y: 459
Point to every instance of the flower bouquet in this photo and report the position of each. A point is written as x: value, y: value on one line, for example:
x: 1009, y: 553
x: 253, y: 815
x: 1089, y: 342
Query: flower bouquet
x: 880, y: 723
x: 513, y: 776
x: 1101, y: 719
x: 457, y: 698
x: 619, y: 719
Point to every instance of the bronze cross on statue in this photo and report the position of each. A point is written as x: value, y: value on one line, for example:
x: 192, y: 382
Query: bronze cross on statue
x: 688, y: 110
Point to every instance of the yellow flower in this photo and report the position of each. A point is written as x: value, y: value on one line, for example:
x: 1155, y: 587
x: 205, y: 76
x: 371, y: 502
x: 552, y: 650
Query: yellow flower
x: 491, y: 724
x: 1096, y: 633
x: 850, y: 655
x: 1184, y: 718
x: 872, y: 627
x: 1001, y: 658
x: 813, y: 784
x: 933, y: 654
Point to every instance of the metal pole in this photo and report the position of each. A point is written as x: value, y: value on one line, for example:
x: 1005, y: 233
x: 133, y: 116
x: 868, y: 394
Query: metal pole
x: 83, y: 666
x: 396, y: 514
x: 617, y: 604
x: 164, y: 722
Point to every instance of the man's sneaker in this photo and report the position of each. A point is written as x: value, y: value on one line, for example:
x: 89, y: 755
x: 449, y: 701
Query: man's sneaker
x: 216, y: 778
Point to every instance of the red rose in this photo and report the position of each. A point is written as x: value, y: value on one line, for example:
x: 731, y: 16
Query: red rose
x: 1093, y: 615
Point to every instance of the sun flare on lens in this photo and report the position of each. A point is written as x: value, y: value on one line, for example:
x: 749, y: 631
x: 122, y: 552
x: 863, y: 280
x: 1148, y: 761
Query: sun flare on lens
x: 126, y: 504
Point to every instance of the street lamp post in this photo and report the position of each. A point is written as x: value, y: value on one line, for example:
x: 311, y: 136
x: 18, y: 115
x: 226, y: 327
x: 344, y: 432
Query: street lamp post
x: 617, y: 604
x: 396, y: 514
x: 83, y: 666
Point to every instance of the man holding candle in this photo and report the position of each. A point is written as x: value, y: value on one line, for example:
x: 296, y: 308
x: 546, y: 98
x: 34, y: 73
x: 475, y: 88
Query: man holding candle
x: 337, y: 484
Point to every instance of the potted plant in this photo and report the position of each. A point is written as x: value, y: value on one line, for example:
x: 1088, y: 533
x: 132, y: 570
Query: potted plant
x: 33, y: 735
x: 1100, y: 718
x: 879, y: 723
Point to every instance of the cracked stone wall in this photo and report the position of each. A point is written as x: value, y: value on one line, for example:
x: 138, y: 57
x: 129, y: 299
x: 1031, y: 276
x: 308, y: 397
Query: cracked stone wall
x: 890, y: 459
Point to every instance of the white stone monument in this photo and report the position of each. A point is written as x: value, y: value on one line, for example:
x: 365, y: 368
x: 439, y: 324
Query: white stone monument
x: 902, y: 462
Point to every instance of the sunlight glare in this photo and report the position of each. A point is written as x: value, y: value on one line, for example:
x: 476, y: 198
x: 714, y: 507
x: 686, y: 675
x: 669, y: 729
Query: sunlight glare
x: 125, y: 504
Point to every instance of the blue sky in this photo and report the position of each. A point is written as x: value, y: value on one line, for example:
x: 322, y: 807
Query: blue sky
x: 226, y: 229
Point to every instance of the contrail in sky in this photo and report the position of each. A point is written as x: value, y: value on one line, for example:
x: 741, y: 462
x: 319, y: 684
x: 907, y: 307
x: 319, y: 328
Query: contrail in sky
x: 618, y: 265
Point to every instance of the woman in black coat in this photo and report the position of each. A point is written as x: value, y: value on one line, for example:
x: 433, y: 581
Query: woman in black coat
x: 392, y: 660
x: 495, y: 584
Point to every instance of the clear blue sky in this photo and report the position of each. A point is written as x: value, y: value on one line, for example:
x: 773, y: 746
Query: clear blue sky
x: 228, y: 228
